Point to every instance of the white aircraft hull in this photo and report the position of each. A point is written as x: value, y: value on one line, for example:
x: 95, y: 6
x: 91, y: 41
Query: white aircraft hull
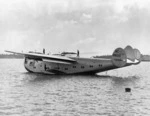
x: 53, y: 64
x: 82, y: 66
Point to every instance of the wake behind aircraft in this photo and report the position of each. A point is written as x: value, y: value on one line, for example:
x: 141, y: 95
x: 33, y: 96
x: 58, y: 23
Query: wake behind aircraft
x: 63, y: 64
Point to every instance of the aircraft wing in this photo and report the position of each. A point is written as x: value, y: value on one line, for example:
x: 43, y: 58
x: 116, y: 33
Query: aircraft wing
x: 46, y: 58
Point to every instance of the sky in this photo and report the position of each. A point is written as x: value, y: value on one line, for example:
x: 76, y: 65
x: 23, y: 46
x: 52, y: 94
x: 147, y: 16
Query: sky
x: 90, y: 26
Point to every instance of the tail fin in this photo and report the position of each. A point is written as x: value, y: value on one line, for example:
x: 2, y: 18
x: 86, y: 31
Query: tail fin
x: 133, y: 55
x: 137, y: 54
x: 124, y: 57
x: 119, y: 57
x: 130, y: 53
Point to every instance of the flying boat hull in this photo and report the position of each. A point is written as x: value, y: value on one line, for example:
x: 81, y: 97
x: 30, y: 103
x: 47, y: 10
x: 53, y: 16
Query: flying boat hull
x: 54, y: 64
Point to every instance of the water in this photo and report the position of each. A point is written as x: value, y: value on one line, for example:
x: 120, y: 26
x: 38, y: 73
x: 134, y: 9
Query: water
x: 26, y: 94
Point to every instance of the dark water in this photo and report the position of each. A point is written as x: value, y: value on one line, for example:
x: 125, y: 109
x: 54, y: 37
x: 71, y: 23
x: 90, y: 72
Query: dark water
x: 26, y: 94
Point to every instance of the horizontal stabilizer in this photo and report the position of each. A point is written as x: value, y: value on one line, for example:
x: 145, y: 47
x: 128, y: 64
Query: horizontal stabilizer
x: 132, y: 62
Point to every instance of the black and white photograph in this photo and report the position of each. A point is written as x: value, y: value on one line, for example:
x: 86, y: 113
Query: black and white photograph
x: 74, y: 57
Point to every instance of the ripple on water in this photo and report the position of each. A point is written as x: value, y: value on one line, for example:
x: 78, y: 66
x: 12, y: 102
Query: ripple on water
x: 23, y: 93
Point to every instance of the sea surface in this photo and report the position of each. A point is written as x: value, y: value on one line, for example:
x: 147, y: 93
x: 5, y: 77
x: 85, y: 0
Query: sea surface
x: 28, y: 94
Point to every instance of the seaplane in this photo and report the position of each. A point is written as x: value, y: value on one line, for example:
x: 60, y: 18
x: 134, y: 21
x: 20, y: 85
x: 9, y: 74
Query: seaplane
x: 64, y: 64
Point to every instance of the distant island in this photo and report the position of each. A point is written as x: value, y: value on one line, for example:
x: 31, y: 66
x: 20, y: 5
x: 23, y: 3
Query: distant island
x: 11, y: 56
x: 145, y: 57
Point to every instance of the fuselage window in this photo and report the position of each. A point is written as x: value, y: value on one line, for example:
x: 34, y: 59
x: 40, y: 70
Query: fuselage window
x: 46, y: 68
x: 66, y: 68
x: 100, y: 65
x: 91, y: 66
x: 58, y: 68
x: 74, y: 66
x: 32, y: 63
x: 26, y: 61
x: 82, y: 66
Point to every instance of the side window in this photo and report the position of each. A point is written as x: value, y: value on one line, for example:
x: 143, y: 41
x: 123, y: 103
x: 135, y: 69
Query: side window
x: 82, y: 66
x: 57, y: 68
x: 66, y: 68
x: 46, y: 67
x: 100, y: 65
x: 26, y: 61
x: 32, y: 63
x: 91, y: 66
x: 74, y: 66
